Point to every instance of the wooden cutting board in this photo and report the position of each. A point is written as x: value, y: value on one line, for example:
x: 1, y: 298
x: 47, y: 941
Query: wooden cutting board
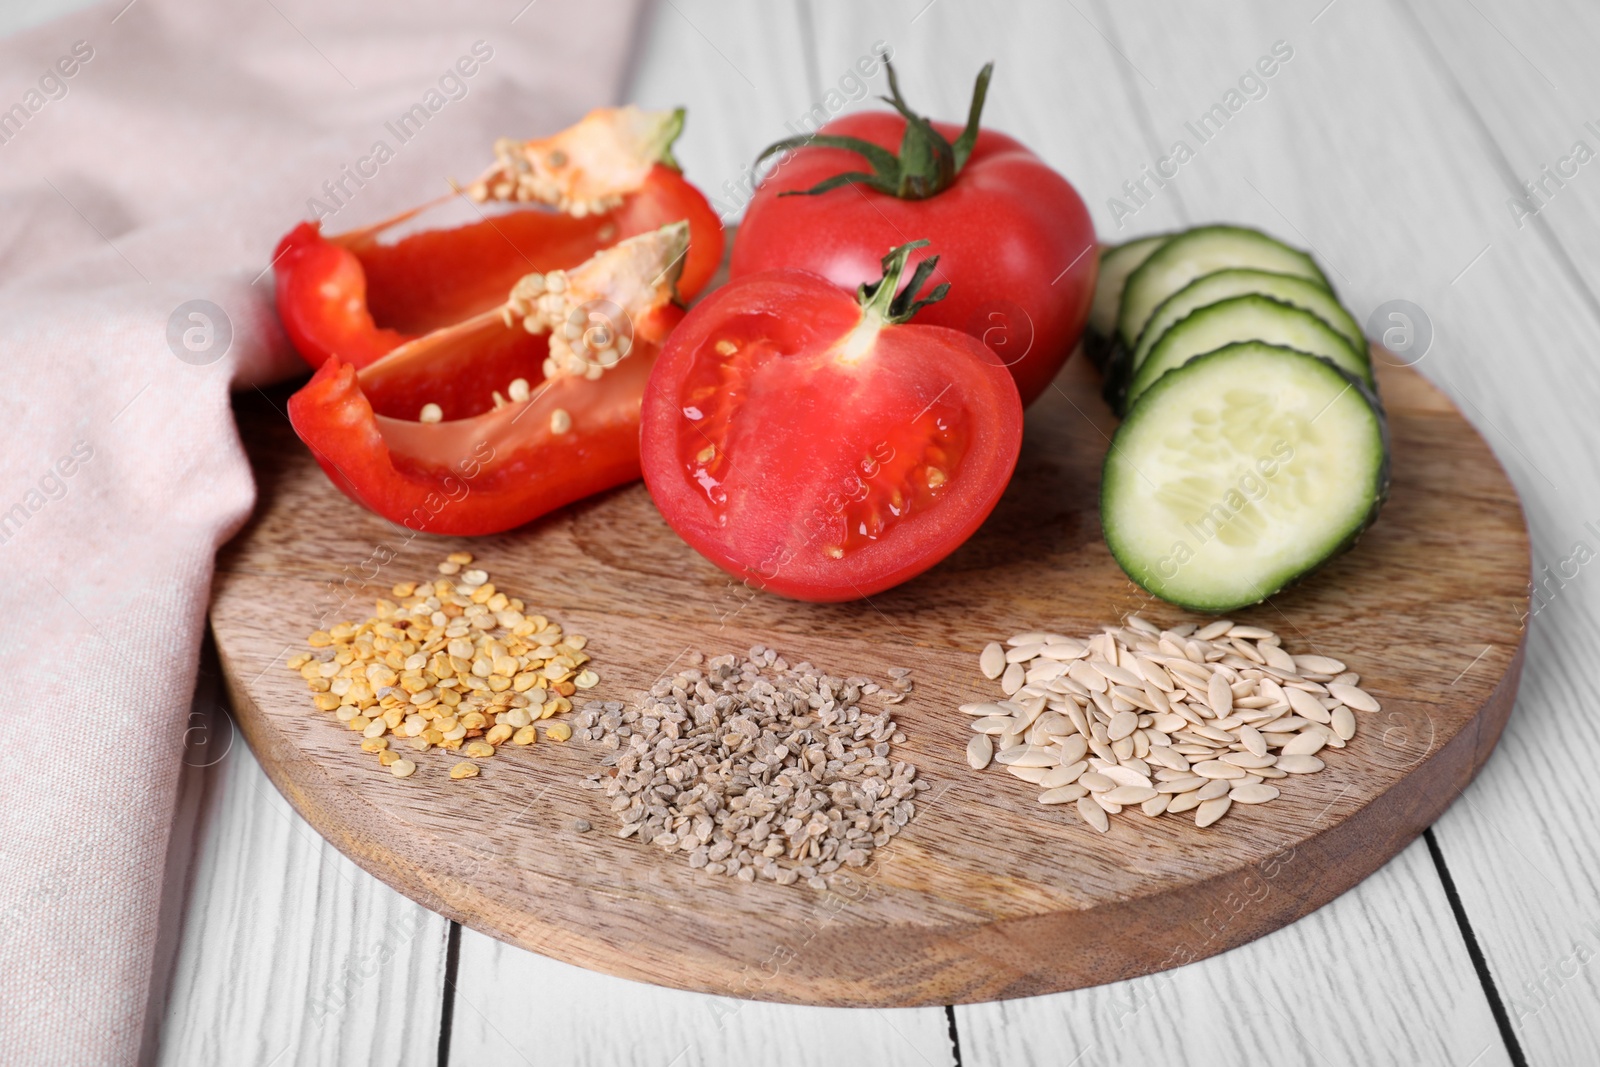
x: 986, y: 894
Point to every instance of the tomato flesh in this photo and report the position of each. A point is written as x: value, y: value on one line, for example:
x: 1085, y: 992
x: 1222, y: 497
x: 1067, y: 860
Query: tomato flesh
x: 815, y: 453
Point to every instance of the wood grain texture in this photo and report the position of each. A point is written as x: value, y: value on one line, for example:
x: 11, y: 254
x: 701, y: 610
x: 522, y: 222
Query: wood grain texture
x: 1039, y: 903
x: 592, y: 1020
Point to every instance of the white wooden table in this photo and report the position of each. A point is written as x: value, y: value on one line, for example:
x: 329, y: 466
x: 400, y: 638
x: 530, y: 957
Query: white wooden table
x: 1389, y: 143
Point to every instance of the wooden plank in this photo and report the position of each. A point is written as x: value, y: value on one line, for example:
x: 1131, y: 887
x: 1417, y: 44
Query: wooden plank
x: 1519, y: 869
x: 289, y: 953
x: 1380, y: 976
x: 510, y: 1002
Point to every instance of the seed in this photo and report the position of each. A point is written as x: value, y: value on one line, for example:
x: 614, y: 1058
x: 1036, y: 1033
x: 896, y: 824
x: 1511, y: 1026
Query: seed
x: 464, y: 770
x: 402, y: 768
x: 1100, y: 799
x: 560, y: 421
x: 1028, y: 756
x: 1062, y: 794
x: 1181, y: 718
x: 980, y: 750
x: 1093, y: 814
x: 1219, y: 696
x: 1308, y: 742
x: 412, y: 670
x: 1167, y: 757
x: 1352, y: 696
x: 726, y: 757
x: 1250, y: 633
x: 1306, y: 705
x: 1126, y: 774
x: 1012, y: 678
x: 430, y: 413
x: 1318, y: 665
x: 1064, y: 775
x: 518, y: 389
x: 1130, y: 794
x: 1300, y: 764
x: 558, y: 731
x: 1211, y: 810
x: 1276, y: 657
x: 1183, y: 802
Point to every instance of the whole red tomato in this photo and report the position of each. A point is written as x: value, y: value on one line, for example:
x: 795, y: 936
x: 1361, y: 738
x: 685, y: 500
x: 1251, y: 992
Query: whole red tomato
x: 1015, y: 241
x: 806, y: 441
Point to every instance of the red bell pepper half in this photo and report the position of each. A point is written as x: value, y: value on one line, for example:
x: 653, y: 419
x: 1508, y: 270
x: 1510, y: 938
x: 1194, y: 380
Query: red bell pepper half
x: 472, y: 379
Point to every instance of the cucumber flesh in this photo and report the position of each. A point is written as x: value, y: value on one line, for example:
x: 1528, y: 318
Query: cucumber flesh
x: 1251, y: 317
x: 1240, y: 472
x: 1210, y: 288
x: 1199, y: 252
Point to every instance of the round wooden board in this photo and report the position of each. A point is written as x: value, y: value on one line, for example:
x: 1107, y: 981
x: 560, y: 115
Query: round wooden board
x: 986, y: 894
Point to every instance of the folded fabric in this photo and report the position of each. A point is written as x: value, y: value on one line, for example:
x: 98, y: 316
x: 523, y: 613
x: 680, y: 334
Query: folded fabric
x: 151, y: 153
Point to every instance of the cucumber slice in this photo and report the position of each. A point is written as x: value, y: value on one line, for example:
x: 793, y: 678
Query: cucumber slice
x: 1210, y: 288
x: 1199, y: 252
x: 1116, y: 263
x: 1240, y: 472
x: 1252, y: 317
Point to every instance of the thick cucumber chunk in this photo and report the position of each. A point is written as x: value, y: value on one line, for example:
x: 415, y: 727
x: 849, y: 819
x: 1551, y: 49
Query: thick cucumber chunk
x: 1209, y: 288
x: 1245, y: 318
x: 1196, y: 253
x: 1116, y: 263
x: 1240, y: 472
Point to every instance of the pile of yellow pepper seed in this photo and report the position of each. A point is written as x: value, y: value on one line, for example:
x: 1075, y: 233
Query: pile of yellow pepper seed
x: 450, y: 663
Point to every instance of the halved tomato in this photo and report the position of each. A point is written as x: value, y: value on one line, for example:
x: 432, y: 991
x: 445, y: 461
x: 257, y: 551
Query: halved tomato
x: 809, y: 442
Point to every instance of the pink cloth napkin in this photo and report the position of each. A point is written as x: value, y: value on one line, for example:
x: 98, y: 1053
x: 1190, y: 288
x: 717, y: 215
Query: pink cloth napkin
x: 150, y: 155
